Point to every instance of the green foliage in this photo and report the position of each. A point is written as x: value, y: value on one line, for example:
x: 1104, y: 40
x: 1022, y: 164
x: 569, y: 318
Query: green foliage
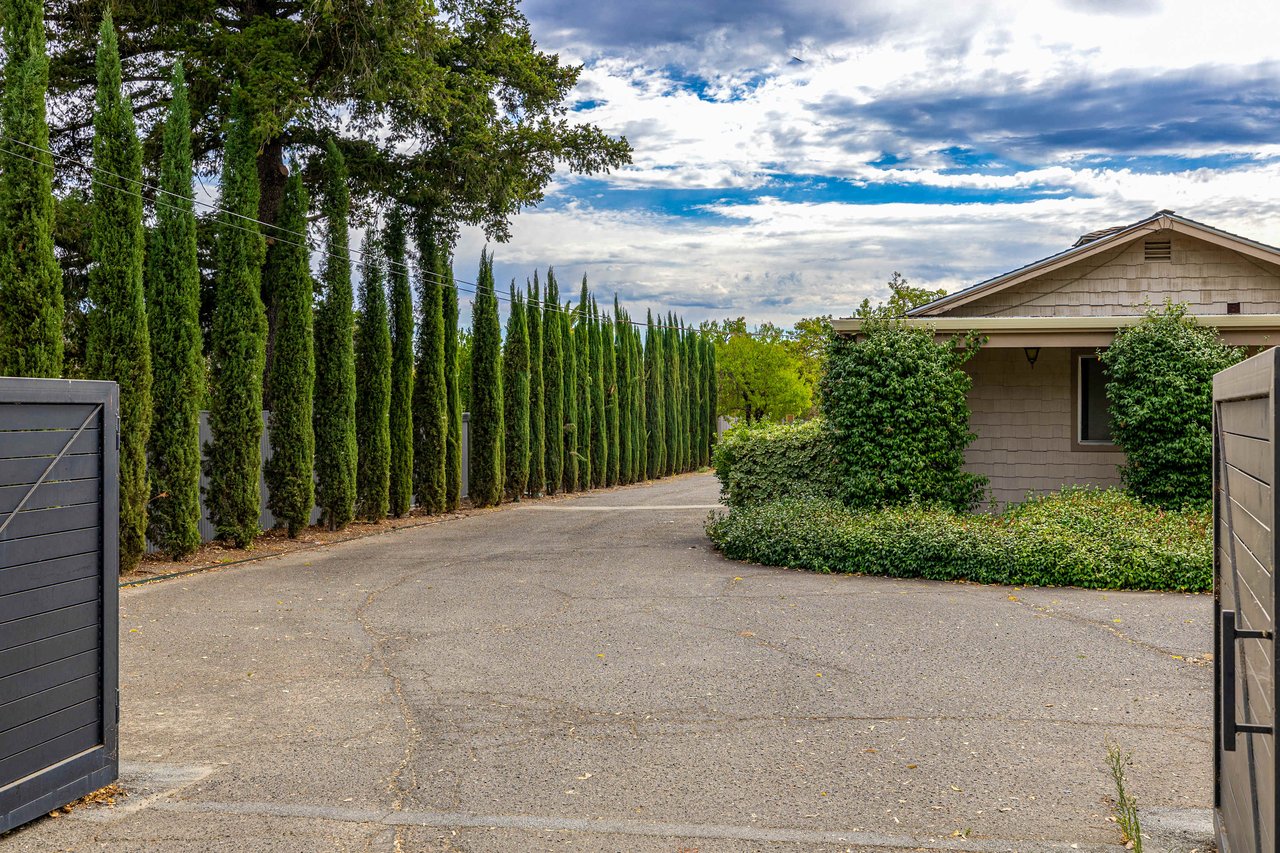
x: 768, y: 462
x: 373, y: 388
x: 486, y: 427
x: 599, y: 428
x: 671, y: 394
x: 553, y: 385
x: 173, y: 321
x: 902, y: 298
x: 895, y: 403
x: 583, y: 368
x: 430, y: 392
x: 238, y: 342
x: 1160, y: 387
x: 30, y: 280
x: 515, y: 405
x: 1101, y: 539
x: 655, y: 399
x: 485, y: 107
x: 400, y: 416
x: 572, y: 461
x: 290, y: 470
x: 610, y: 358
x: 537, y: 400
x: 760, y: 376
x: 335, y: 407
x: 808, y: 343
x: 118, y: 346
x: 641, y: 404
x: 711, y: 371
x: 623, y: 396
x: 465, y: 341
x: 452, y: 389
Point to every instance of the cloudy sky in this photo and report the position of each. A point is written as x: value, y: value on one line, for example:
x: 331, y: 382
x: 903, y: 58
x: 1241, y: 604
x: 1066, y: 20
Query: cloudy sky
x: 790, y: 156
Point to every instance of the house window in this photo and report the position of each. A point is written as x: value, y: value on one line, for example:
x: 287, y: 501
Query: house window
x: 1095, y: 414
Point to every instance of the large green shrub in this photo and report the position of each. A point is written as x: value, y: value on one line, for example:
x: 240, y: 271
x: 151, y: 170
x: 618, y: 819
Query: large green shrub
x: 373, y: 387
x: 537, y: 401
x: 452, y: 387
x: 768, y: 462
x: 1160, y: 389
x: 400, y: 416
x: 894, y: 401
x: 515, y: 405
x: 1102, y: 539
x: 430, y: 390
x: 553, y: 385
x: 487, y: 475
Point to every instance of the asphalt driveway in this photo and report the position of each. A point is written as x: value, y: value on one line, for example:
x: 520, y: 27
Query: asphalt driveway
x: 588, y: 674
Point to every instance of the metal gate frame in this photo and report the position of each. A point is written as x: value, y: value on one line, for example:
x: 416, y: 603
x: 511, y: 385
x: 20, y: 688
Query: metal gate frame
x: 68, y: 778
x: 1246, y: 401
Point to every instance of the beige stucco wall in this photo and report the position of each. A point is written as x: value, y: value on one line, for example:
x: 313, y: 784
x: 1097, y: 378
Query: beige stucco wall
x: 1023, y: 419
x: 1119, y: 281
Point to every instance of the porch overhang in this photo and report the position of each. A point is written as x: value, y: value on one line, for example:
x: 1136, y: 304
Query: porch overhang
x: 1235, y: 329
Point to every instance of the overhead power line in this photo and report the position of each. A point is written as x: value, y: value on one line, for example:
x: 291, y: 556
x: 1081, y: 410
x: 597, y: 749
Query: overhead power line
x: 269, y: 230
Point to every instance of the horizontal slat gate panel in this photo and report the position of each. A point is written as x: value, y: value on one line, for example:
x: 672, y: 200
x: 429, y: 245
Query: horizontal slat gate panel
x: 59, y: 493
x: 49, y: 442
x: 28, y: 416
x: 20, y: 605
x: 16, y: 686
x: 48, y: 701
x: 1252, y: 493
x: 28, y: 630
x: 1250, y: 532
x: 1250, y: 455
x: 49, y: 547
x: 1252, y: 602
x: 1255, y: 672
x: 37, y: 522
x: 44, y: 728
x: 31, y: 655
x: 48, y: 572
x: 51, y: 751
x: 1247, y: 417
x: 15, y: 471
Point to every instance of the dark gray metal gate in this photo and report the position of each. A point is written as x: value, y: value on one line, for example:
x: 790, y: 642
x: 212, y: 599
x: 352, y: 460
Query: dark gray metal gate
x: 1245, y: 401
x: 59, y: 561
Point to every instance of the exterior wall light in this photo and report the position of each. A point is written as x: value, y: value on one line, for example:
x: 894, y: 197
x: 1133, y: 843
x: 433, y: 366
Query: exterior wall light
x: 1032, y: 353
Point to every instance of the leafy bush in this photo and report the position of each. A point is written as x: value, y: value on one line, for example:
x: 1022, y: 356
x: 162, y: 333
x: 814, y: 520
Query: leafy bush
x: 771, y: 461
x: 894, y: 401
x: 1160, y: 387
x: 1085, y: 537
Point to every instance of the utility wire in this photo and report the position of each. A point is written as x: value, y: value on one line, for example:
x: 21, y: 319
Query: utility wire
x: 304, y: 242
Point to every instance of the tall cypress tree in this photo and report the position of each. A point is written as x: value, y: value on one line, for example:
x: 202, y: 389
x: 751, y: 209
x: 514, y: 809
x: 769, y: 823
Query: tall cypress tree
x: 697, y: 423
x: 623, y: 395
x: 553, y: 385
x: 639, y: 381
x: 238, y: 339
x: 610, y: 356
x: 335, y: 397
x: 118, y: 347
x: 572, y: 461
x: 452, y: 390
x: 599, y: 429
x: 290, y: 470
x: 713, y: 397
x: 537, y: 405
x: 671, y: 394
x: 430, y: 394
x: 655, y: 416
x: 515, y: 406
x: 373, y: 388
x: 583, y: 368
x: 486, y: 433
x: 30, y: 278
x: 686, y: 398
x: 400, y: 417
x: 173, y: 321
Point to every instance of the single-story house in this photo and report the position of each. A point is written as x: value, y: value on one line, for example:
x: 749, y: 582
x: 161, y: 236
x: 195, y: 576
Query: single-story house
x: 1038, y: 403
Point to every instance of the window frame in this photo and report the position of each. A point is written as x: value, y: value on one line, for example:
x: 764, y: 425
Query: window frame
x: 1078, y: 444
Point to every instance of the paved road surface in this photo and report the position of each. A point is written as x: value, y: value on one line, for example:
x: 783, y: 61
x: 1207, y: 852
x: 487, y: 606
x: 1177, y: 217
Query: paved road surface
x: 586, y: 674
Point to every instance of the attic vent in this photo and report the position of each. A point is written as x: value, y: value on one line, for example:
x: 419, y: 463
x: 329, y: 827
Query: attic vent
x: 1158, y: 250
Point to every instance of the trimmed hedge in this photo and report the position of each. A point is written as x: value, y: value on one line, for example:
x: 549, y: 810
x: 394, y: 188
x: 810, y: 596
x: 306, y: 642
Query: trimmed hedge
x: 1084, y: 537
x: 766, y: 462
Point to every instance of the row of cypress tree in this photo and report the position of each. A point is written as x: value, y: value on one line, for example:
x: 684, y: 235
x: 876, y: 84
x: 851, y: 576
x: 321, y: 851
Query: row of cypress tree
x: 572, y: 398
x: 365, y: 409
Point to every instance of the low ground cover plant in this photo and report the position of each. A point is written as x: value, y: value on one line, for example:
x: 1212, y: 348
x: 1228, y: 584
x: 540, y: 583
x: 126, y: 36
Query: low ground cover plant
x: 1084, y: 537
